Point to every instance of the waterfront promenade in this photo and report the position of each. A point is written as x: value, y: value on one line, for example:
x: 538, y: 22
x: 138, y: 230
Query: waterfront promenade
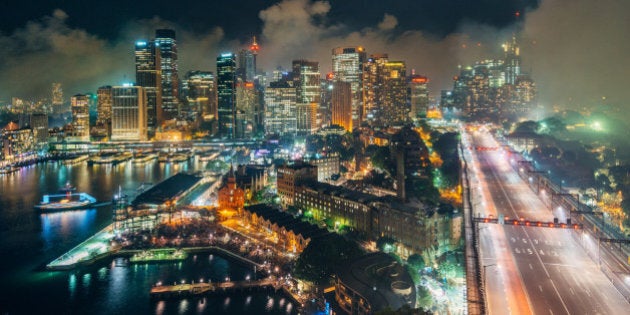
x: 94, y: 248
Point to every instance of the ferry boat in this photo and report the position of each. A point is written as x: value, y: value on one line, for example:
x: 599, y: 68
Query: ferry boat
x: 173, y: 157
x: 142, y: 158
x: 8, y: 170
x: 67, y: 201
x: 76, y: 160
x: 110, y: 158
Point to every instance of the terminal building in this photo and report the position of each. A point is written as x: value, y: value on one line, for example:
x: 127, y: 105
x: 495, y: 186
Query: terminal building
x: 154, y: 205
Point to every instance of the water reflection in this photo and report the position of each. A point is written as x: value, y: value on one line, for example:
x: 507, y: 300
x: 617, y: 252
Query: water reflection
x: 72, y: 284
x: 61, y: 225
x: 86, y: 280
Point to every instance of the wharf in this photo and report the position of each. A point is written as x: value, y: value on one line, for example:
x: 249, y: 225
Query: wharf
x: 91, y: 250
x: 202, y: 288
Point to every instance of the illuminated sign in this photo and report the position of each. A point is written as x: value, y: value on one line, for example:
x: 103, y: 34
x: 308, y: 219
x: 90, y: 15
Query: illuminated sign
x: 420, y: 80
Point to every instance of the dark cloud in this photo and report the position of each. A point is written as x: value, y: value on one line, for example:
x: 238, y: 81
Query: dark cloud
x: 575, y: 49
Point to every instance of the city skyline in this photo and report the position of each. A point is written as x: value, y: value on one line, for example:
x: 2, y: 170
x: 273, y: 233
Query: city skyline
x: 583, y: 78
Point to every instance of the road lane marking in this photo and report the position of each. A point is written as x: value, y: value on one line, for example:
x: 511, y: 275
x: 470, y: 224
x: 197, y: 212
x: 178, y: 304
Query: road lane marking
x: 530, y: 267
x: 542, y: 253
x: 540, y: 287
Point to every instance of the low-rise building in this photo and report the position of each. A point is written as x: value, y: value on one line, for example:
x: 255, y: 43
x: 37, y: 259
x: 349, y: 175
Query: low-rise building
x: 372, y: 283
x: 327, y: 164
x: 288, y: 179
x: 230, y: 195
x: 343, y: 206
x: 288, y: 232
x: 252, y: 178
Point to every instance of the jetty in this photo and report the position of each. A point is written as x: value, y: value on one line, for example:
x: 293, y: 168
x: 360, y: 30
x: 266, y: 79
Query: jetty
x: 208, y: 288
x: 91, y: 250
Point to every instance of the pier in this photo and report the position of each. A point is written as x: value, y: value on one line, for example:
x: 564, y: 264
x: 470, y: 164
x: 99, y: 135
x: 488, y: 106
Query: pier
x: 91, y: 250
x: 203, y: 288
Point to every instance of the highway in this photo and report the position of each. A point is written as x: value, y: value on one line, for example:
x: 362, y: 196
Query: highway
x: 530, y: 270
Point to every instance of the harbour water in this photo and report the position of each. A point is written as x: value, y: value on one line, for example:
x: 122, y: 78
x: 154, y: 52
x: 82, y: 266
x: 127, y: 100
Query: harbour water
x: 29, y: 239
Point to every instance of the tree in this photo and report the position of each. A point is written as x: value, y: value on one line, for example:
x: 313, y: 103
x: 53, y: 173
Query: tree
x: 528, y: 126
x: 318, y: 260
x: 416, y: 261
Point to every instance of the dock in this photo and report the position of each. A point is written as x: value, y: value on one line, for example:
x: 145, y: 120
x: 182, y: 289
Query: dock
x: 91, y: 250
x: 202, y: 288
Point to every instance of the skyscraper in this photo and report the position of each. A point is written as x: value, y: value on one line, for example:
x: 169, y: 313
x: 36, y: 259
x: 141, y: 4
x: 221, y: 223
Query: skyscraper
x: 347, y: 65
x: 149, y: 76
x: 129, y: 118
x: 280, y: 112
x: 165, y: 41
x: 306, y: 78
x: 226, y: 80
x: 342, y: 105
x: 512, y: 61
x: 57, y: 99
x: 372, y: 69
x: 384, y: 91
x: 419, y: 96
x: 80, y: 117
x: 202, y: 93
x: 104, y: 109
x: 247, y: 110
x: 247, y: 62
x: 395, y: 92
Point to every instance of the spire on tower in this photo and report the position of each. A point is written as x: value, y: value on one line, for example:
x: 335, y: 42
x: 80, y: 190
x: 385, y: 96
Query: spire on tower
x: 254, y: 47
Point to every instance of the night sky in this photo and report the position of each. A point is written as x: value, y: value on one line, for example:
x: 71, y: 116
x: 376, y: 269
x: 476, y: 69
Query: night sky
x: 576, y: 50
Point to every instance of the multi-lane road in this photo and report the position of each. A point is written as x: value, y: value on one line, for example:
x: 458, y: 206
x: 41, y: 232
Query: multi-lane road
x: 530, y: 269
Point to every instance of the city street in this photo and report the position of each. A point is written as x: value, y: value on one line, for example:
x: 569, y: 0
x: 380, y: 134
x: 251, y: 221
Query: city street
x: 530, y: 269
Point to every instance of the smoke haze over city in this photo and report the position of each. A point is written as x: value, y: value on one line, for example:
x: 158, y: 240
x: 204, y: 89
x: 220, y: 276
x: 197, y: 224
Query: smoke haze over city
x: 573, y: 53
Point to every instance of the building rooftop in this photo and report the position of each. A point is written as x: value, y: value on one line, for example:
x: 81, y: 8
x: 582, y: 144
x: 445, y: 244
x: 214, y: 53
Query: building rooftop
x: 381, y: 280
x: 286, y: 220
x: 342, y: 192
x: 167, y: 189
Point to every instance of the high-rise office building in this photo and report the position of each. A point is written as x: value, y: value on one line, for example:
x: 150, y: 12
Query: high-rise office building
x: 165, y: 41
x: 80, y: 117
x: 512, y: 61
x: 384, y: 91
x: 280, y: 109
x: 57, y: 99
x: 306, y: 78
x: 347, y: 64
x: 104, y: 110
x: 247, y: 62
x: 247, y: 110
x: 372, y: 69
x: 395, y: 92
x: 342, y: 105
x: 226, y: 81
x: 38, y: 123
x: 202, y: 93
x: 419, y: 95
x: 129, y: 113
x: 149, y: 76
